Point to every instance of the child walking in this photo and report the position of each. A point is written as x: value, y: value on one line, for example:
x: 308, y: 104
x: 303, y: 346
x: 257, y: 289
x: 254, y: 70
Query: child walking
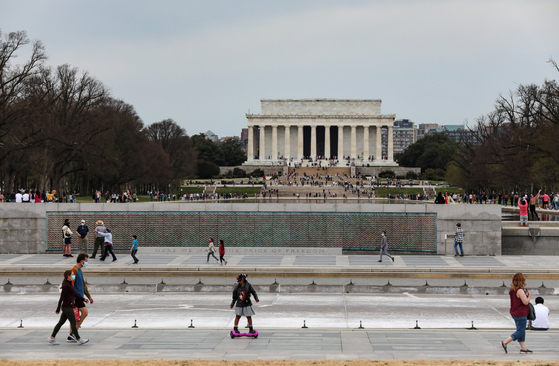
x: 211, y: 251
x: 221, y: 253
x: 134, y: 249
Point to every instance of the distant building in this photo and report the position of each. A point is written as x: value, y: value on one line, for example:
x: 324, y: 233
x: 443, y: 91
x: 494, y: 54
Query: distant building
x: 244, y: 134
x: 211, y: 136
x: 236, y: 138
x: 405, y: 134
x: 424, y: 128
x: 459, y: 133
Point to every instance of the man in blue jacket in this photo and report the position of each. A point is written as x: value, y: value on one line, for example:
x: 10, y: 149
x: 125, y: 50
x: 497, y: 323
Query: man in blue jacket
x: 82, y: 231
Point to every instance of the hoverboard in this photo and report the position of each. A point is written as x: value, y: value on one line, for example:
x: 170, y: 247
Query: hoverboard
x: 235, y: 334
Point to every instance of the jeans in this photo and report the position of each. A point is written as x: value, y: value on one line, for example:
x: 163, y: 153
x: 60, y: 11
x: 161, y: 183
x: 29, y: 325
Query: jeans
x: 456, y: 244
x: 213, y: 255
x: 520, y: 334
x: 221, y: 259
x: 108, y: 249
x: 133, y: 254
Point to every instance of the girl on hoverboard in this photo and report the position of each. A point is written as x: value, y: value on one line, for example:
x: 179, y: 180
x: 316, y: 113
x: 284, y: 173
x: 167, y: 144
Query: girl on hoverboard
x: 241, y: 296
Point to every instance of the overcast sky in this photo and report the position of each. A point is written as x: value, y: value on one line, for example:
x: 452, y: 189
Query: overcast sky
x: 206, y: 63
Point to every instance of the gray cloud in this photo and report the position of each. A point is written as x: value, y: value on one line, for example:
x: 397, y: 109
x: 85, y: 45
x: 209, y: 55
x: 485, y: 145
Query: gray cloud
x: 205, y: 63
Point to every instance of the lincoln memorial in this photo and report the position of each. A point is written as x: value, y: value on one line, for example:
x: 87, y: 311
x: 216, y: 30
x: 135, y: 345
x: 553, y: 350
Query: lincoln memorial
x: 325, y: 131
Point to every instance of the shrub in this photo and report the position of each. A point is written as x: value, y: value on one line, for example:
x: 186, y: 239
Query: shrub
x: 239, y: 173
x: 257, y: 173
x: 207, y: 169
x: 411, y: 175
x: 386, y: 174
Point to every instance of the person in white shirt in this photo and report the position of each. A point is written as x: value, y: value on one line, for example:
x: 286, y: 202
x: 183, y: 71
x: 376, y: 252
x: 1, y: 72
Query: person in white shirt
x: 542, y: 316
x: 25, y: 197
x: 19, y: 197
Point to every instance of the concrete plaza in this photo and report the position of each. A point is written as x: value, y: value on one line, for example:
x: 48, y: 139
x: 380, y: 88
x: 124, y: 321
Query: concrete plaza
x: 296, y: 344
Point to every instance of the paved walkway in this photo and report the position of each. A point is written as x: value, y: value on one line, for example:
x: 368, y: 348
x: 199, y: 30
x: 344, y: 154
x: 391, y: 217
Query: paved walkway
x: 297, y: 344
x: 509, y: 262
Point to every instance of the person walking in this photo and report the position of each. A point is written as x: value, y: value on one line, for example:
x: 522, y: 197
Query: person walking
x: 458, y: 239
x: 99, y: 240
x: 66, y: 304
x: 211, y: 250
x: 241, y: 297
x: 134, y: 249
x: 108, y: 244
x: 519, y: 300
x: 384, y: 247
x: 81, y: 290
x: 82, y: 231
x: 222, y: 253
x: 67, y: 237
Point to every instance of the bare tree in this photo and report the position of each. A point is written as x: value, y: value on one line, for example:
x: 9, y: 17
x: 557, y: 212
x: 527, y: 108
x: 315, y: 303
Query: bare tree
x: 13, y: 78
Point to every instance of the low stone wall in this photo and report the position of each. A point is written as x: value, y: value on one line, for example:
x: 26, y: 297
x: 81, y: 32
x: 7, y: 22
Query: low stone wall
x: 539, y: 238
x: 376, y: 170
x: 23, y: 227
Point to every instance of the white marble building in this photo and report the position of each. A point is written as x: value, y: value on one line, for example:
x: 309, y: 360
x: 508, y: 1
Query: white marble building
x: 289, y: 131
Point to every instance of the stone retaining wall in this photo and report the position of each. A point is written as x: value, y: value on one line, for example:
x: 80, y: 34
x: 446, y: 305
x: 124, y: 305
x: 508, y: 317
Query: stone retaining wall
x: 23, y: 227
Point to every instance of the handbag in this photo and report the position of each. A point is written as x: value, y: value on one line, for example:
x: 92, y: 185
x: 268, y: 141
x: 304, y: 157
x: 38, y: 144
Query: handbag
x: 77, y: 314
x: 531, y: 312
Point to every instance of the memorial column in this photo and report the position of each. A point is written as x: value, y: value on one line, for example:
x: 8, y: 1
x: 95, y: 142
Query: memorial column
x: 366, y: 143
x: 250, y: 148
x: 378, y: 155
x: 327, y: 142
x: 262, y: 144
x: 313, y: 142
x: 300, y: 142
x: 287, y: 134
x: 274, y: 142
x: 353, y: 142
x: 390, y: 152
x: 341, y: 143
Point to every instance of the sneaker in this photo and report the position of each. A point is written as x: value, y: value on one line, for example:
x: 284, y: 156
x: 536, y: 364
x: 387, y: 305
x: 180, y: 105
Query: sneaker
x: 71, y: 338
x: 526, y: 351
x: 456, y: 255
x: 225, y: 262
x: 70, y: 255
x: 461, y: 255
x: 206, y: 261
x: 83, y: 341
x: 114, y: 259
x: 392, y: 259
x: 380, y: 260
x: 53, y: 341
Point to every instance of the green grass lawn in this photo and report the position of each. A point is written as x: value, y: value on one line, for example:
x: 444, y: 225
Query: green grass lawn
x: 250, y: 191
x: 383, y: 192
x: 192, y: 189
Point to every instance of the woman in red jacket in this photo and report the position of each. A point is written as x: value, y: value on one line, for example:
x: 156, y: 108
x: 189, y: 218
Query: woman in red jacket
x: 221, y: 253
x: 519, y: 300
x: 66, y: 304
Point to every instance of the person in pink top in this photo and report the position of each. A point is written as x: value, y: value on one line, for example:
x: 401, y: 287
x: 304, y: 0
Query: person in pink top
x: 523, y: 205
x: 545, y: 200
